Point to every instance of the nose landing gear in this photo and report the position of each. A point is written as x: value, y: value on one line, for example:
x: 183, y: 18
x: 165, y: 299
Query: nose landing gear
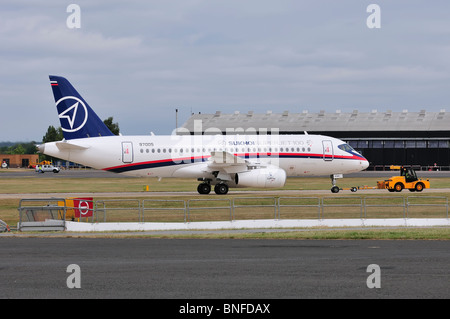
x: 334, y: 188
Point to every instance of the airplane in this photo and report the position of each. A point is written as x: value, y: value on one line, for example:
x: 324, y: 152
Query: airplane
x: 222, y: 161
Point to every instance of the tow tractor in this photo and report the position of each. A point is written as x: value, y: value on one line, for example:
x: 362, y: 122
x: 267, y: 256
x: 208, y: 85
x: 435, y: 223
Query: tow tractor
x: 336, y: 189
x: 356, y: 188
x: 407, y: 180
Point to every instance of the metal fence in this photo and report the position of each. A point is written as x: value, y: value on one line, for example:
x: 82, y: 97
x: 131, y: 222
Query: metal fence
x: 240, y: 208
x: 42, y: 214
x: 118, y: 210
x: 160, y: 210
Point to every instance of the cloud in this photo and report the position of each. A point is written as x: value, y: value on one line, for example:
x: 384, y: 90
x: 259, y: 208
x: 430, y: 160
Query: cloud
x: 139, y: 61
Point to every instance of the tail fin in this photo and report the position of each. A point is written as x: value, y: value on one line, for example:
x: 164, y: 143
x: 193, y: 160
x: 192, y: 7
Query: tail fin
x: 77, y: 119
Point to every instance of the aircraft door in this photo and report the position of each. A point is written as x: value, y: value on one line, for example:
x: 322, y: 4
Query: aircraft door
x: 328, y: 154
x: 127, y: 152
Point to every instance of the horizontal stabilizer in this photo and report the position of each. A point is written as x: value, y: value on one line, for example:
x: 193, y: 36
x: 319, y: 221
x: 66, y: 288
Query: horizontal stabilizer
x: 67, y: 146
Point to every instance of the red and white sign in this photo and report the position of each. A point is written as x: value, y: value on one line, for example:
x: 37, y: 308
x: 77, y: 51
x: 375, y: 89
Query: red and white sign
x: 83, y: 207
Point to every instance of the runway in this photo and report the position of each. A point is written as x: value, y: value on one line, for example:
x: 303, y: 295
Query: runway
x: 204, y: 269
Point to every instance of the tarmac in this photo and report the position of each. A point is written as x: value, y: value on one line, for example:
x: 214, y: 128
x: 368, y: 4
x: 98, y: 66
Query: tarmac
x: 37, y: 268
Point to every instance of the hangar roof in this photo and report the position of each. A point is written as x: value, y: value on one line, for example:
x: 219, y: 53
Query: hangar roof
x: 325, y: 122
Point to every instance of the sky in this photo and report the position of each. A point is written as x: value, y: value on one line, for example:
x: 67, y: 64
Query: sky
x: 139, y: 61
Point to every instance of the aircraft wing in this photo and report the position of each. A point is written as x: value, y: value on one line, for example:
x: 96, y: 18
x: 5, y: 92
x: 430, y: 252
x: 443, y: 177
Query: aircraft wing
x: 227, y: 162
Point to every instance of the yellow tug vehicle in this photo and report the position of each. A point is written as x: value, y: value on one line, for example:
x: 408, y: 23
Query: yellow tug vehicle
x: 407, y: 180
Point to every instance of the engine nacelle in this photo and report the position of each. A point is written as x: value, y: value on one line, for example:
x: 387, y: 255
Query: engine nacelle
x: 261, y: 177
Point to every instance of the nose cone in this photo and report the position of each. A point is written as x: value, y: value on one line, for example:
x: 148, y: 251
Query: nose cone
x: 40, y: 148
x: 364, y: 164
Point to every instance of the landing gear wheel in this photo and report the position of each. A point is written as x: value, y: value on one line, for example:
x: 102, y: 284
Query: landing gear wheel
x: 204, y: 188
x: 221, y: 189
x: 335, y: 189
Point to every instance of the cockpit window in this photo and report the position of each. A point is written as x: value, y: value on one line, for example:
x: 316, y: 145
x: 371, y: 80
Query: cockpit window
x: 346, y: 148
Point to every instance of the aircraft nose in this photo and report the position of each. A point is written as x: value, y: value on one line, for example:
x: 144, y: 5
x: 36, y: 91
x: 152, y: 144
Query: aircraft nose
x: 364, y: 164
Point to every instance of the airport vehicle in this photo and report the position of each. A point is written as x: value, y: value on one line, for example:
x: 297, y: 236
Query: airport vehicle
x: 220, y: 160
x: 47, y: 168
x: 406, y: 180
x: 41, y: 163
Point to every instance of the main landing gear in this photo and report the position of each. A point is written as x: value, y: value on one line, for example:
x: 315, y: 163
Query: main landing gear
x: 205, y: 188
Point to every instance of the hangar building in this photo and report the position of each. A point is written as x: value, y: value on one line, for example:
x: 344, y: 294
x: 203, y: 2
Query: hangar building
x: 421, y: 139
x: 19, y: 160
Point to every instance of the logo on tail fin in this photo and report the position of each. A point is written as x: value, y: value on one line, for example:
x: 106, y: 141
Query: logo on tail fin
x: 74, y: 111
x: 77, y: 118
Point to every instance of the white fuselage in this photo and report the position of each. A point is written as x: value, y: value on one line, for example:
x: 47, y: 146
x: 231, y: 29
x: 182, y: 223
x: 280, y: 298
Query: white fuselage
x: 188, y: 155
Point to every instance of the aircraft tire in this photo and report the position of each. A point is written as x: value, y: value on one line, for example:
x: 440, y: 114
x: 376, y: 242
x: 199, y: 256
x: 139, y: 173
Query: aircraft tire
x: 221, y: 189
x: 335, y: 189
x: 204, y: 188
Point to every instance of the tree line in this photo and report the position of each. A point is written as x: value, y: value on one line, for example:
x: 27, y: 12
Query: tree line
x: 18, y: 148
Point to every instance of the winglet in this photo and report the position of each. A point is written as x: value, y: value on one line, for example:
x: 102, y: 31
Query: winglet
x: 77, y: 118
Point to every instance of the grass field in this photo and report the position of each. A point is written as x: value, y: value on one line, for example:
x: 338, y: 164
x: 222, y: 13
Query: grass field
x: 378, y: 234
x: 25, y: 185
x: 247, y: 210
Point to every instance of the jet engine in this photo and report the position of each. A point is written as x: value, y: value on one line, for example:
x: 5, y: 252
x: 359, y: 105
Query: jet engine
x: 261, y: 177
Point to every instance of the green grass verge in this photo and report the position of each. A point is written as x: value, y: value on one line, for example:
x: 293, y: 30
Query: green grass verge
x: 378, y: 234
x: 415, y: 233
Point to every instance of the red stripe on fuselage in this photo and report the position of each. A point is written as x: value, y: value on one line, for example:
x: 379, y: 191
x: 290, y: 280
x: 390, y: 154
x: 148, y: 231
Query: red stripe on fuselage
x: 188, y: 160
